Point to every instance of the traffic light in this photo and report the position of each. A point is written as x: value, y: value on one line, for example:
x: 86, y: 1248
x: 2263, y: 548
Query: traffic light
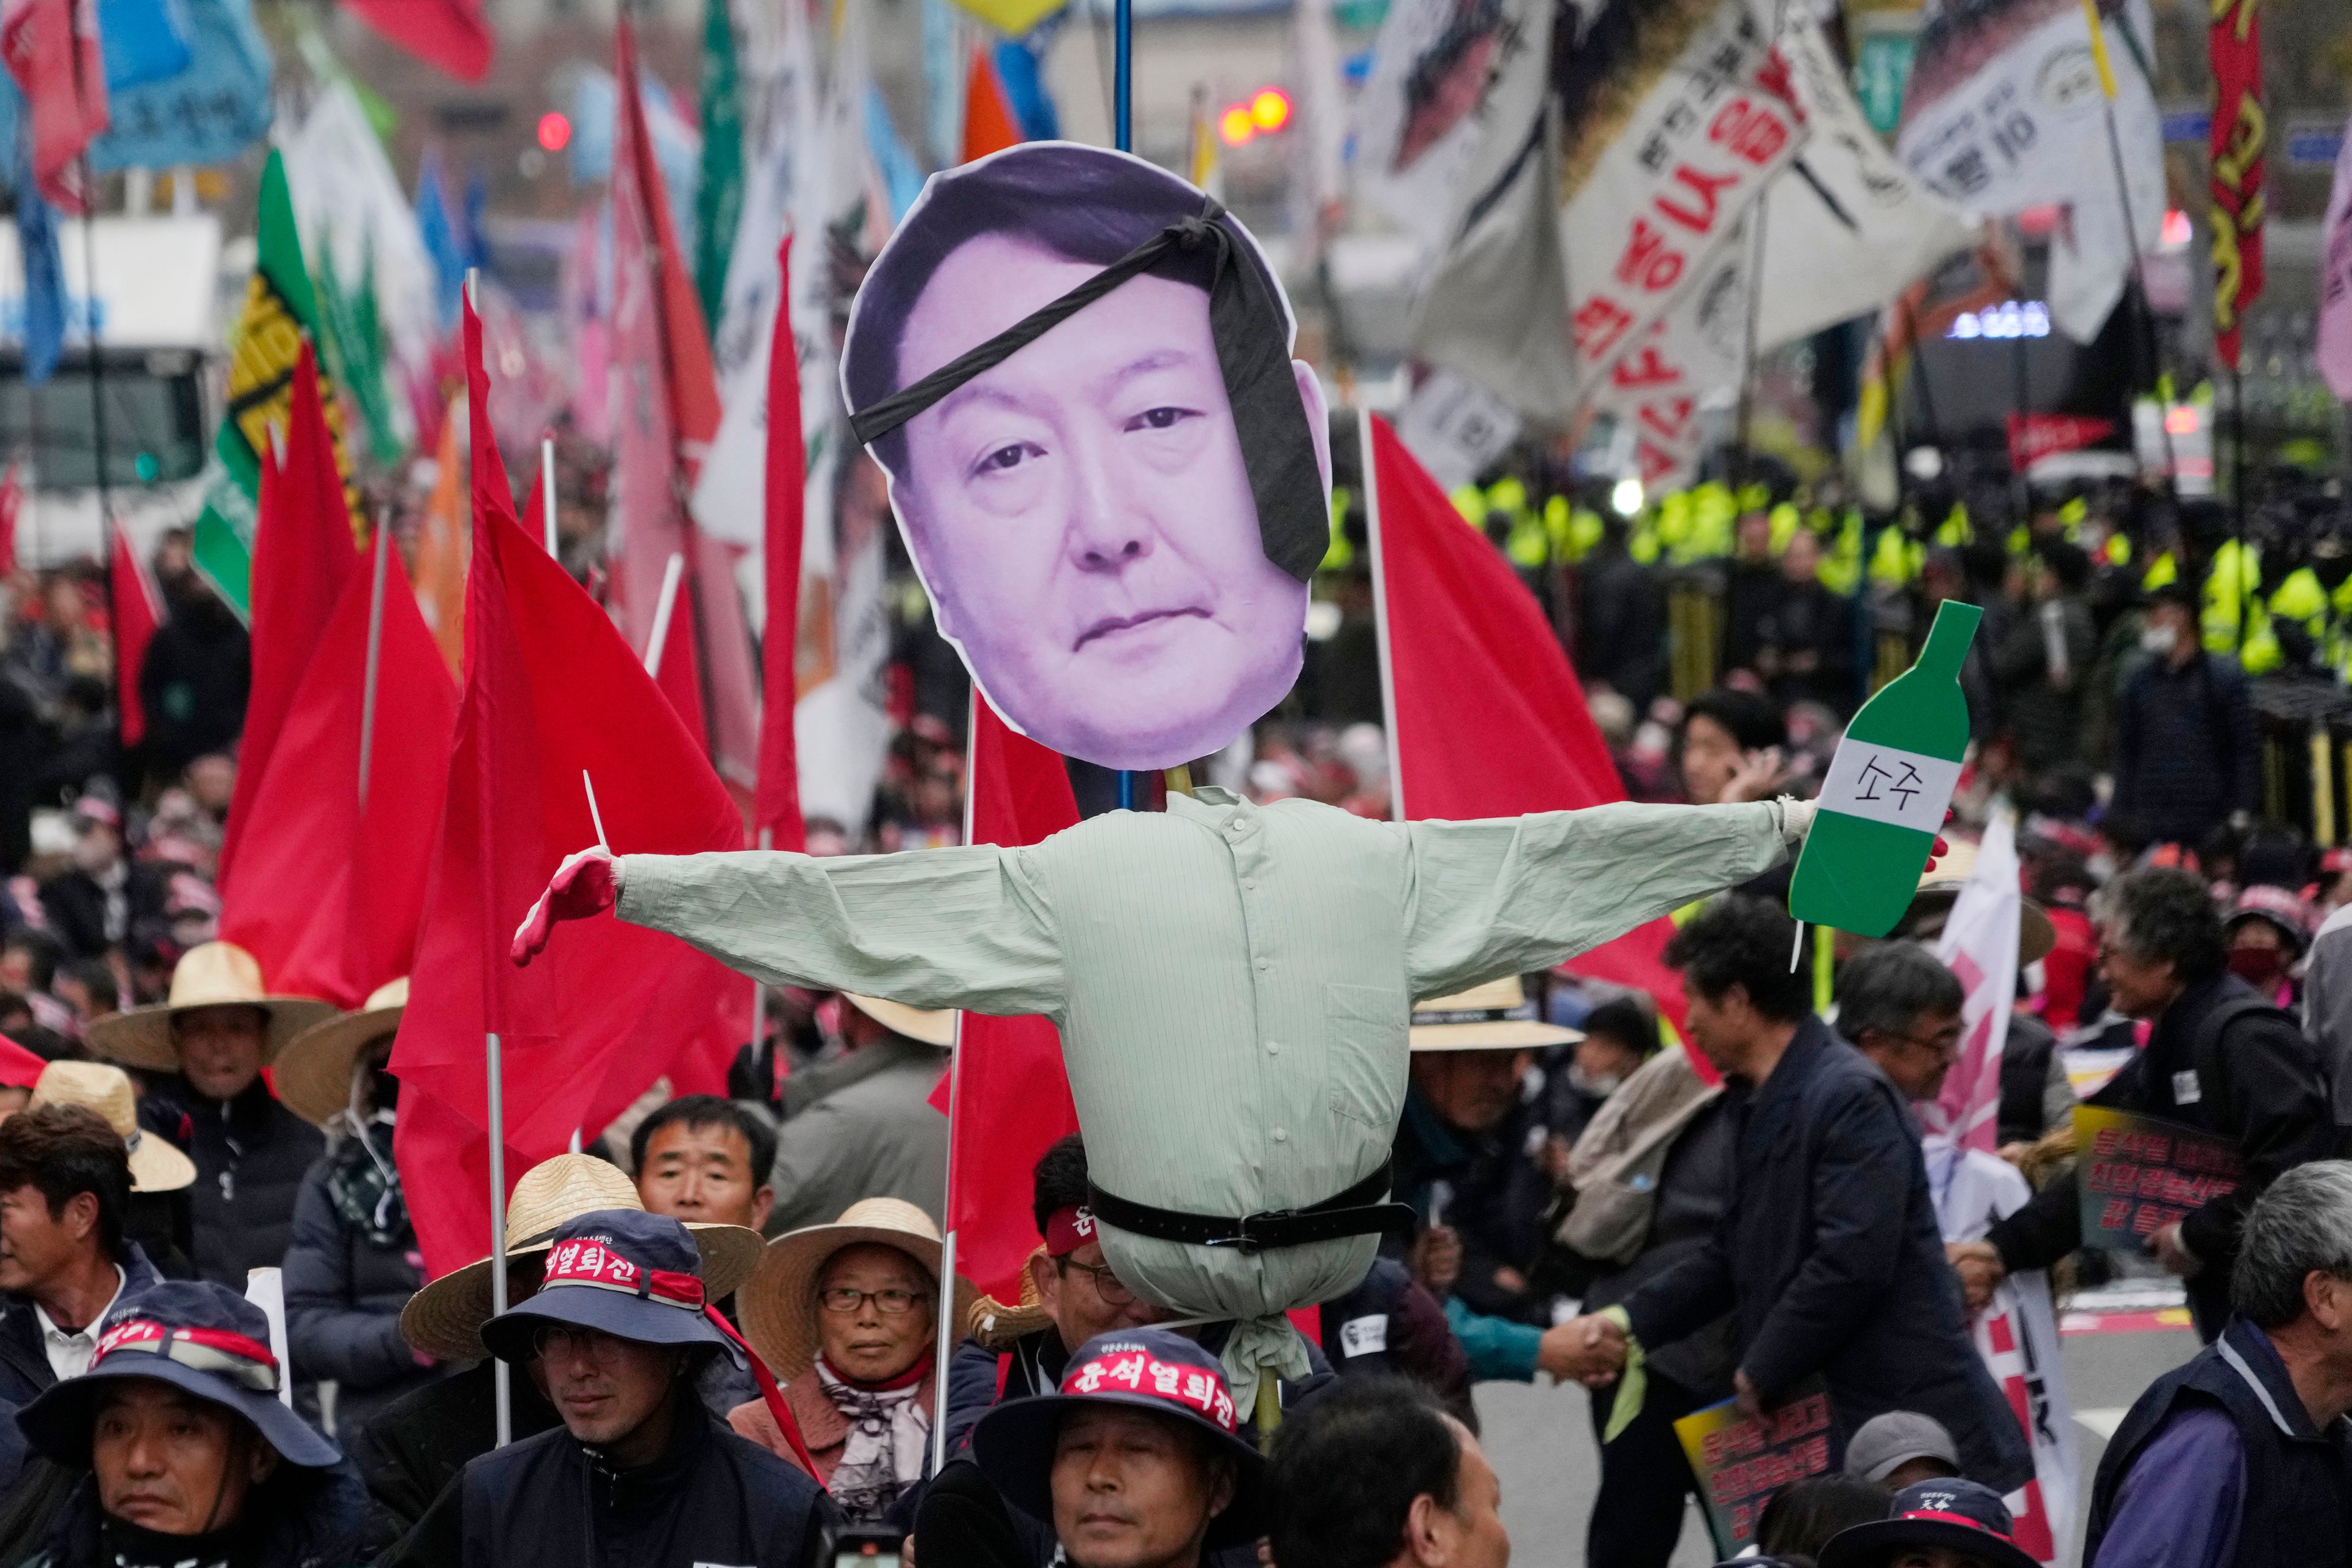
x: 1262, y: 113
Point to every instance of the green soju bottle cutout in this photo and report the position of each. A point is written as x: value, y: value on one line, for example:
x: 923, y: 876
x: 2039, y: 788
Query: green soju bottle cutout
x: 1887, y: 788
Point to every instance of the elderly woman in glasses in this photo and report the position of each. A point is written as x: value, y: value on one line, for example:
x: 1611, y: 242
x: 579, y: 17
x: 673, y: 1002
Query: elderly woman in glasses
x: 846, y: 1315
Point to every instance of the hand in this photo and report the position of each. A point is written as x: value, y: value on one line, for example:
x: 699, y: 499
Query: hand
x: 1979, y: 1265
x: 1589, y: 1349
x: 1555, y: 1159
x: 585, y: 884
x: 1436, y: 1259
x: 1759, y: 776
x: 1751, y: 1403
x: 2174, y: 1254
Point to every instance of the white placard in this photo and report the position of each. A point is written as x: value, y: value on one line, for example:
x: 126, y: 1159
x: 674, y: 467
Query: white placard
x: 1889, y: 784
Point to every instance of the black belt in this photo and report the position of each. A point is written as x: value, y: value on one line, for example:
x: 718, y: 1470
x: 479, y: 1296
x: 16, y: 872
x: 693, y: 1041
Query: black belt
x: 1359, y: 1211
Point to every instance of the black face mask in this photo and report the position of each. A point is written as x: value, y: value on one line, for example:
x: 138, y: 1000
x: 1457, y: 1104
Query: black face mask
x: 122, y: 1544
x: 1253, y: 352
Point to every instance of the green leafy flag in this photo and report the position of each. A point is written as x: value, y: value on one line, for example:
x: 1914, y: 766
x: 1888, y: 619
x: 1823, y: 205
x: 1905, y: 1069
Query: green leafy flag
x: 354, y: 354
x: 279, y: 308
x: 719, y: 194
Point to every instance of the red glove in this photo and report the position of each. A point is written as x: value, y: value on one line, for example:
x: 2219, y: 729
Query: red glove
x: 585, y: 884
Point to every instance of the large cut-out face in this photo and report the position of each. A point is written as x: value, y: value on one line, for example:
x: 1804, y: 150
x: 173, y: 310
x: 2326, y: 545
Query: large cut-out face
x: 1081, y: 515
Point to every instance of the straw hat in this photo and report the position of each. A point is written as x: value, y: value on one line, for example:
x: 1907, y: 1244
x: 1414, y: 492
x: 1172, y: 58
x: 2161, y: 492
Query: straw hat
x: 998, y: 1325
x: 779, y: 1306
x: 444, y: 1319
x: 314, y: 1073
x: 155, y: 1166
x: 211, y: 974
x: 1939, y: 890
x: 1496, y: 1016
x: 932, y: 1026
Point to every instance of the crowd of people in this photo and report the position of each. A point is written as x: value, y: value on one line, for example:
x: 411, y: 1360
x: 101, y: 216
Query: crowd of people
x: 728, y: 1338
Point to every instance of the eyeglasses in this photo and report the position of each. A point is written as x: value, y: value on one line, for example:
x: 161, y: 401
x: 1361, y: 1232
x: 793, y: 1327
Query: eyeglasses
x: 890, y: 1303
x: 564, y: 1343
x: 1947, y: 1044
x: 1107, y: 1284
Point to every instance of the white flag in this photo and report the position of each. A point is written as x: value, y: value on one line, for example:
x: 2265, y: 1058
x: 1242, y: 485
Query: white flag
x: 2017, y: 1335
x: 1847, y: 228
x: 1979, y: 945
x: 2005, y: 111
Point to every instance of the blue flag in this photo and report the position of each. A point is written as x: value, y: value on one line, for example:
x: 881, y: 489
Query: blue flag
x: 438, y: 229
x: 143, y: 41
x: 43, y: 327
x: 208, y: 111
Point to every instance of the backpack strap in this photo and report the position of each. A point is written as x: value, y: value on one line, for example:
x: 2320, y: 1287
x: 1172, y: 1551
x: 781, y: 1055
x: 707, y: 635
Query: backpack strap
x: 2213, y: 1076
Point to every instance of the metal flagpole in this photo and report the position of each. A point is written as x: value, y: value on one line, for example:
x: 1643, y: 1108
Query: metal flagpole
x: 1122, y: 129
x: 375, y: 652
x: 493, y: 1067
x: 948, y: 1326
x: 546, y: 490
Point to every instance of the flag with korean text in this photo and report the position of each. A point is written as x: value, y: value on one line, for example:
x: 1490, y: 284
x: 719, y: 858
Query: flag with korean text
x: 2017, y: 1335
x: 1979, y: 945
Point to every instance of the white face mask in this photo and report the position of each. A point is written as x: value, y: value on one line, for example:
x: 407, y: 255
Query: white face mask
x: 1600, y: 1086
x: 2158, y: 640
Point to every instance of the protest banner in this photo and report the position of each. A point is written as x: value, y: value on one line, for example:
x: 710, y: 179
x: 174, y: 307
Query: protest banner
x: 1696, y: 351
x: 2141, y: 1174
x: 1647, y: 205
x: 1741, y: 1461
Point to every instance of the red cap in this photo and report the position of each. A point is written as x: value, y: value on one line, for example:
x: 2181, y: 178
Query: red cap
x: 1067, y: 1229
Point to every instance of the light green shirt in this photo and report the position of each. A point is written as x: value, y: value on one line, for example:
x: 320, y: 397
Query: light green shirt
x: 1232, y: 983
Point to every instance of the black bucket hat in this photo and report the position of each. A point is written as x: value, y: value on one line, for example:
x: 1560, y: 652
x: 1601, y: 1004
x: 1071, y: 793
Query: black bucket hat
x: 634, y: 1276
x: 1156, y: 1370
x: 1963, y: 1516
x: 203, y: 1339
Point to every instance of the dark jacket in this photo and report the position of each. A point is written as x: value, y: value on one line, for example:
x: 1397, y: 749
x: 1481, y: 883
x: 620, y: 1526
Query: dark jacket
x: 1694, y: 1188
x: 2297, y: 1505
x: 1830, y: 1258
x: 25, y: 1360
x: 251, y: 1155
x: 76, y: 907
x: 414, y: 1446
x: 1466, y: 1180
x: 346, y: 1281
x: 714, y: 1498
x: 2045, y: 717
x: 876, y: 1136
x: 1809, y: 619
x: 2185, y: 753
x: 2273, y: 1105
x: 1389, y: 1324
x: 194, y: 685
x: 1621, y: 626
x: 298, y: 1519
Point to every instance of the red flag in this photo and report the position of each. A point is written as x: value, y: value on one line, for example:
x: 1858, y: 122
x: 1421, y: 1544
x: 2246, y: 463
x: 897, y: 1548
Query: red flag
x: 989, y: 125
x: 12, y: 497
x: 660, y: 439
x: 302, y: 557
x: 1486, y: 717
x: 2239, y: 135
x: 450, y: 35
x: 1013, y: 1097
x: 776, y: 807
x: 52, y: 50
x: 551, y: 691
x: 136, y: 611
x: 331, y: 887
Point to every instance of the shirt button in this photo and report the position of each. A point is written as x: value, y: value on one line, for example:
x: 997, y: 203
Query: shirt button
x: 1265, y: 963
x: 1281, y: 1135
x: 1274, y: 1047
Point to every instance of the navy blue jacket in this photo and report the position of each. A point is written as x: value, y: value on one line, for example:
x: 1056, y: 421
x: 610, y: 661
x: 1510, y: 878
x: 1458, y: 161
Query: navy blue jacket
x: 297, y: 1518
x: 251, y: 1155
x: 2297, y: 1505
x: 25, y: 1360
x: 1831, y: 1261
x: 2185, y: 750
x: 545, y: 1502
x: 343, y: 1296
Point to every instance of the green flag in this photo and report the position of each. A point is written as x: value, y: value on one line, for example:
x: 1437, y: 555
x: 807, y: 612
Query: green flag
x: 353, y: 357
x: 279, y: 310
x: 719, y: 196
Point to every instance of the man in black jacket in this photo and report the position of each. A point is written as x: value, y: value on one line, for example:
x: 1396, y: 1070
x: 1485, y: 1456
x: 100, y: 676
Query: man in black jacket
x: 2243, y: 1458
x: 2186, y: 760
x: 217, y: 1031
x: 2218, y: 1059
x: 1828, y: 1255
x: 64, y: 1180
x: 98, y: 902
x: 641, y: 1476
